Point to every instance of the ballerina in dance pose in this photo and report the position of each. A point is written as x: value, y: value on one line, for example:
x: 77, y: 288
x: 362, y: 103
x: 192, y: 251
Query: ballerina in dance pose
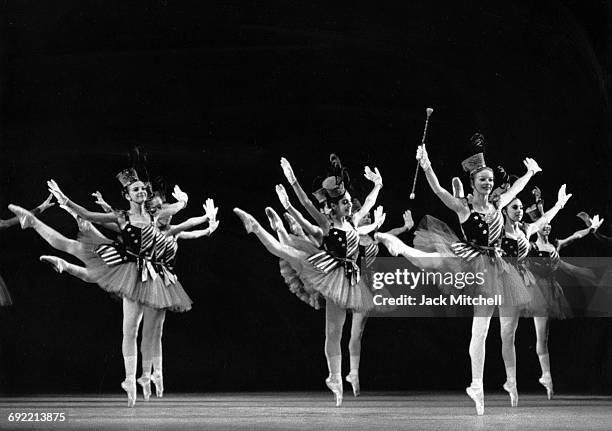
x: 332, y: 271
x: 549, y: 301
x: 516, y: 247
x: 368, y: 250
x: 5, y: 294
x: 126, y: 269
x: 153, y: 319
x: 482, y: 224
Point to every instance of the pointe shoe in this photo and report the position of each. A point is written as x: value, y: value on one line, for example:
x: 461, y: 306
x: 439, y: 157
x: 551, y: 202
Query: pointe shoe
x: 510, y: 387
x: 250, y: 224
x: 548, y: 384
x: 145, y: 383
x: 336, y: 388
x: 129, y: 386
x: 158, y: 381
x: 353, y: 379
x: 477, y: 395
x: 275, y: 221
x: 392, y: 243
x: 26, y: 218
x: 56, y: 262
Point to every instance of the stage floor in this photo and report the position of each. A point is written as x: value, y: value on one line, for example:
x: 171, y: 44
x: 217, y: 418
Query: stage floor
x: 306, y: 411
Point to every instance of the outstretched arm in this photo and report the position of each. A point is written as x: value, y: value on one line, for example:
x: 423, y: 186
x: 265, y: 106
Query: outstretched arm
x: 319, y: 218
x: 595, y: 224
x: 379, y: 219
x: 562, y: 199
x: 171, y: 209
x: 91, y: 216
x: 210, y: 215
x: 308, y: 227
x: 408, y: 224
x: 518, y: 186
x: 448, y: 199
x: 194, y: 234
x: 370, y: 201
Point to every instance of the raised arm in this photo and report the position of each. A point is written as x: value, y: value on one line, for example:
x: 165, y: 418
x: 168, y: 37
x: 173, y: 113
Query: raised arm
x: 379, y: 219
x: 308, y: 227
x: 595, y: 224
x: 452, y: 202
x: 562, y: 199
x: 319, y: 218
x: 518, y: 186
x: 180, y: 204
x: 210, y: 215
x: 370, y: 201
x: 408, y: 224
x: 85, y: 214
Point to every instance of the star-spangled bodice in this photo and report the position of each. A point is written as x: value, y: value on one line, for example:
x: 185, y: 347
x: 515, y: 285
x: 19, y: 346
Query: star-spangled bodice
x: 481, y: 232
x: 340, y: 248
x: 517, y: 248
x: 147, y: 246
x: 545, y: 261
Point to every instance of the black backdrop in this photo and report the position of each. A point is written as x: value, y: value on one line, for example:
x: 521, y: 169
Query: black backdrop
x: 217, y: 93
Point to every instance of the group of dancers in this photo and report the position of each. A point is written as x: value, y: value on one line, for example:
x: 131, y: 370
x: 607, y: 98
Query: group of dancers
x: 326, y: 262
x: 137, y: 264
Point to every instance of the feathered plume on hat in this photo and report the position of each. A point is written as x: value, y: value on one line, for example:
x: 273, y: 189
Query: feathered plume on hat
x: 334, y: 185
x: 138, y: 171
x: 475, y: 162
x: 536, y: 210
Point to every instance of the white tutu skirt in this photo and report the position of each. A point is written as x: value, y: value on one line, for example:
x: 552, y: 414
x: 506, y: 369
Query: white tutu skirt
x: 501, y: 279
x: 125, y: 279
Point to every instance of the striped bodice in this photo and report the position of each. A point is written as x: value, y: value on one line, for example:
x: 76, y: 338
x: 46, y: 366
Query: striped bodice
x: 481, y: 233
x: 137, y: 242
x: 169, y: 255
x: 340, y: 248
x: 342, y: 244
x: 548, y: 259
x: 518, y: 248
x: 483, y: 229
x: 368, y: 253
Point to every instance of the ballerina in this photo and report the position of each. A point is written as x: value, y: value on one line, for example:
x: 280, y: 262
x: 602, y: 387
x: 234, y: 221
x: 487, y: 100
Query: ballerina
x: 124, y: 269
x: 482, y: 224
x: 516, y: 247
x: 549, y: 299
x: 153, y: 319
x: 333, y: 271
x: 368, y: 250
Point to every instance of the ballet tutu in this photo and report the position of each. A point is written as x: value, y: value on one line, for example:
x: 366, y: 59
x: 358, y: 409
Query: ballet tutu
x: 338, y: 281
x: 501, y: 279
x: 141, y: 281
x: 5, y: 295
x: 296, y: 286
x: 548, y: 299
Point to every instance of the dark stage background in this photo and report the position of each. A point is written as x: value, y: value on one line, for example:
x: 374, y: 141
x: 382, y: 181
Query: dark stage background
x: 217, y: 92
